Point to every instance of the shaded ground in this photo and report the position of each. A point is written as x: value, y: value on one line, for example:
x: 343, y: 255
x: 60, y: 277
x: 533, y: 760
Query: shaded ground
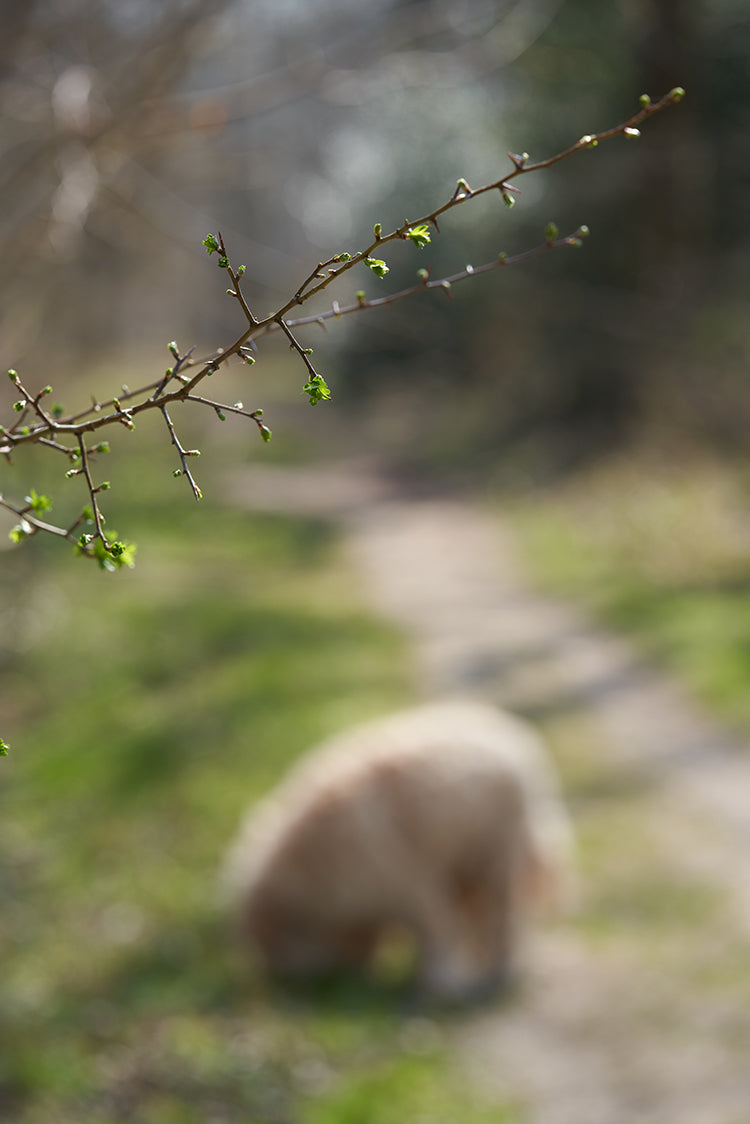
x: 637, y: 1010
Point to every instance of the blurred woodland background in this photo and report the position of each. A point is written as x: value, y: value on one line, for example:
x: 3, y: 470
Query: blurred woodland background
x: 130, y: 130
x: 600, y: 397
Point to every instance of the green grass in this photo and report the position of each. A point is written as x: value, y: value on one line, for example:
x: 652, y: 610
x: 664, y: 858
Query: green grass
x: 660, y: 551
x: 145, y: 710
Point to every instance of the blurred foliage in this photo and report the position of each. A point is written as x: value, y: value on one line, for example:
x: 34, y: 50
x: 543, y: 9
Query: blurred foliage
x: 645, y: 328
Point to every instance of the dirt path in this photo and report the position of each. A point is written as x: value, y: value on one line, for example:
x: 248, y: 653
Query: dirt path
x: 606, y: 1032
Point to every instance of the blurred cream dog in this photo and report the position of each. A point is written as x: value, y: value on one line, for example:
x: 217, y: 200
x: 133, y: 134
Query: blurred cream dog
x: 444, y: 820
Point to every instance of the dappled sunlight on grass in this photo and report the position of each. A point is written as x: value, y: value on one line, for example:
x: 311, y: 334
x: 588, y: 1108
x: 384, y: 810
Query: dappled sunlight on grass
x: 660, y: 550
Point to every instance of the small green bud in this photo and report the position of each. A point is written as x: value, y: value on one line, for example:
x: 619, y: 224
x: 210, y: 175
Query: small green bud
x: 221, y: 416
x: 508, y: 199
x: 645, y: 100
x: 343, y: 257
x: 4, y: 747
x: 19, y: 532
x: 13, y: 375
x: 72, y: 472
x: 377, y: 230
x: 677, y: 94
x: 238, y: 406
x: 249, y: 359
x: 172, y: 346
x: 47, y: 390
x: 265, y: 433
x: 633, y: 133
x: 57, y: 410
x: 360, y: 295
x: 169, y: 372
x: 223, y: 263
x: 104, y: 486
x: 24, y: 430
x: 102, y: 447
x: 502, y: 256
x: 177, y: 472
x: 18, y: 406
x: 241, y: 271
x: 192, y: 452
x: 587, y: 141
x: 307, y: 351
x: 551, y: 231
x: 258, y: 413
x: 582, y: 232
x: 211, y: 243
x: 423, y: 274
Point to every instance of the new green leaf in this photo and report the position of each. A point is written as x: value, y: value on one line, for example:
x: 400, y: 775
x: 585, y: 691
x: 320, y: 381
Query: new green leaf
x: 419, y: 235
x: 316, y: 389
x: 379, y: 268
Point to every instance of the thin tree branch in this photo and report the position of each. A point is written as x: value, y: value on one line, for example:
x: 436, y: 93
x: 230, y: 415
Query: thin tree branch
x: 93, y: 490
x: 36, y: 425
x: 183, y: 455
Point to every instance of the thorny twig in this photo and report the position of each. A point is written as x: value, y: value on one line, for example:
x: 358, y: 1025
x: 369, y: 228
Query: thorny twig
x: 44, y: 427
x: 183, y: 455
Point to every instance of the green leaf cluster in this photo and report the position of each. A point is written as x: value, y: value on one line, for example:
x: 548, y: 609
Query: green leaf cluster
x: 316, y: 389
x: 37, y: 502
x: 419, y: 235
x: 118, y: 555
x: 378, y: 267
